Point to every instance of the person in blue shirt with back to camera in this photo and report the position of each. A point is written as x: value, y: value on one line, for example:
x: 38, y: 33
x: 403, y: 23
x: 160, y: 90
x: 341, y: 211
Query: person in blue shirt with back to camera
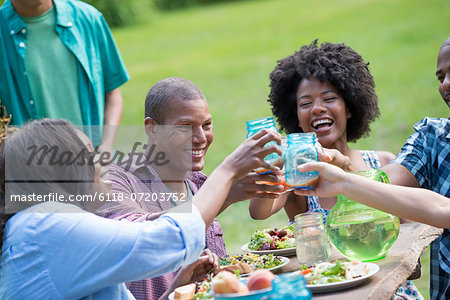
x: 58, y: 250
x: 58, y: 59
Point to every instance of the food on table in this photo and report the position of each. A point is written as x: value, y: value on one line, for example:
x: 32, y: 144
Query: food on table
x: 228, y: 283
x: 241, y: 267
x: 255, y: 262
x: 234, y: 265
x: 260, y: 279
x: 203, y: 288
x: 327, y: 272
x: 271, y: 239
x: 198, y: 290
x: 185, y: 292
x: 355, y: 269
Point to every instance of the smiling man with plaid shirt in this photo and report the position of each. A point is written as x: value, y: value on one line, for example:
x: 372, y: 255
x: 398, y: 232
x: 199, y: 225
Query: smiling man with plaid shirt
x: 425, y: 162
x: 426, y: 155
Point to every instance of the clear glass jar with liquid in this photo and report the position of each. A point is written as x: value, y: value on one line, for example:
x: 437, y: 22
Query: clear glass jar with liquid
x: 310, y: 238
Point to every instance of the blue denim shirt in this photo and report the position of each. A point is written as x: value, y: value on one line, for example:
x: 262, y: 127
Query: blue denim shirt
x: 54, y: 250
x: 86, y: 34
x: 427, y: 155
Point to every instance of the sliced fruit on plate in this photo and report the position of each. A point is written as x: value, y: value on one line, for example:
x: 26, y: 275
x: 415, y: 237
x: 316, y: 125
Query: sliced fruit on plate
x: 185, y: 292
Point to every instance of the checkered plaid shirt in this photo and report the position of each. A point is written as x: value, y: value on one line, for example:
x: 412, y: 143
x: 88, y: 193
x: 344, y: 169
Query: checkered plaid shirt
x: 145, y: 180
x: 427, y: 155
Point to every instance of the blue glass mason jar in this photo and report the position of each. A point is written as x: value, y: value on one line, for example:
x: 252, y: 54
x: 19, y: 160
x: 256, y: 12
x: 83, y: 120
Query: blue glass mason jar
x: 253, y: 127
x: 289, y: 286
x: 301, y: 148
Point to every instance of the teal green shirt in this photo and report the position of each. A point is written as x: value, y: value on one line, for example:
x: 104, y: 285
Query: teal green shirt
x: 84, y: 31
x: 55, y: 96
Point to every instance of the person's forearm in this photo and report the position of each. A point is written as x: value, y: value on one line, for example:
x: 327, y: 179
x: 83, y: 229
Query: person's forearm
x: 260, y: 209
x: 113, y: 115
x: 177, y: 282
x: 225, y: 205
x: 416, y: 204
x: 211, y: 196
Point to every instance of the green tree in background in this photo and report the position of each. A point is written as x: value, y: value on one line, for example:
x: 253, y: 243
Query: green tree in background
x: 120, y: 13
x: 177, y: 4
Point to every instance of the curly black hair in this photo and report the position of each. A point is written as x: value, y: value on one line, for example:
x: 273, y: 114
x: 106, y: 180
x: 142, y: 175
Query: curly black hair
x: 337, y: 64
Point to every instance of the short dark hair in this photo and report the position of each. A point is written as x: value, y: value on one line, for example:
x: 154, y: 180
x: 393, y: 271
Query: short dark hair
x: 337, y: 64
x: 161, y: 93
x: 446, y: 43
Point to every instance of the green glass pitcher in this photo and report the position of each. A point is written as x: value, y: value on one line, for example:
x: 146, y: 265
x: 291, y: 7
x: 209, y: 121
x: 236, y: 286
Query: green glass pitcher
x: 360, y: 232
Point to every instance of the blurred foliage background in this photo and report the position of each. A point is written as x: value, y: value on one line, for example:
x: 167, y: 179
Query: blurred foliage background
x: 120, y: 13
x: 228, y: 48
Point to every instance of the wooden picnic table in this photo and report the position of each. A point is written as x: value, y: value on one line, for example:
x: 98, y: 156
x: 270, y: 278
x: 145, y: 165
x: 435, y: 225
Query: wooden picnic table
x: 395, y: 268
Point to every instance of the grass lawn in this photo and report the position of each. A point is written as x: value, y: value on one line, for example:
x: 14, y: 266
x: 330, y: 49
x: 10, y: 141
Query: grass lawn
x: 229, y: 50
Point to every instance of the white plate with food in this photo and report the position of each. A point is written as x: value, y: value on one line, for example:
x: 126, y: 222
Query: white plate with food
x: 190, y: 291
x: 246, y: 263
x: 355, y: 273
x: 277, y: 252
x: 284, y: 261
x: 276, y: 241
x: 235, y: 262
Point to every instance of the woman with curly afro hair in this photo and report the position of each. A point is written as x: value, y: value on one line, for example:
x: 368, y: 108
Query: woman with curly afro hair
x: 328, y: 90
x: 338, y: 69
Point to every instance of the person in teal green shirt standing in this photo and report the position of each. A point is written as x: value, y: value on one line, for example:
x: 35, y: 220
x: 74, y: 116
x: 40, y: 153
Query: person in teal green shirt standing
x: 58, y: 59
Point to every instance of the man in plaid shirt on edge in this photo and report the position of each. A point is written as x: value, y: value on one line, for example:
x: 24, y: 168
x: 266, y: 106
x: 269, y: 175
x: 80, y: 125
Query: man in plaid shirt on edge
x: 425, y: 162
